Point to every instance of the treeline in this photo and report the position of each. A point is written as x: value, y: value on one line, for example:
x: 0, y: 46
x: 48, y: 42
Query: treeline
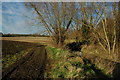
x: 23, y: 35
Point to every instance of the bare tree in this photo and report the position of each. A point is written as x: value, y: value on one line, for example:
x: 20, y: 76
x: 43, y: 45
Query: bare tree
x: 99, y: 13
x: 56, y: 18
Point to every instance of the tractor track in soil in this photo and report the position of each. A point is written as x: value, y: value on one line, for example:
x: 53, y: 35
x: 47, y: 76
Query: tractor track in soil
x: 30, y: 66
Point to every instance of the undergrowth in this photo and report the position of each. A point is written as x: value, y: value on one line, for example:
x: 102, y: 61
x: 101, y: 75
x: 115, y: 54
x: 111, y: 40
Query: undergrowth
x: 66, y: 65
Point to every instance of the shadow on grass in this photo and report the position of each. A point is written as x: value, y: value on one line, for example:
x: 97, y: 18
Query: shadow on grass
x: 75, y: 46
x: 99, y: 74
x: 116, y: 72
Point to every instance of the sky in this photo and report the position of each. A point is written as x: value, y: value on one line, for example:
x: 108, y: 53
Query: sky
x: 17, y: 19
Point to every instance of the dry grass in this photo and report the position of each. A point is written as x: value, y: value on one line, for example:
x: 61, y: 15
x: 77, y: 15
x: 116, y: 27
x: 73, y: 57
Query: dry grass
x: 96, y: 50
x: 103, y: 60
x: 41, y: 40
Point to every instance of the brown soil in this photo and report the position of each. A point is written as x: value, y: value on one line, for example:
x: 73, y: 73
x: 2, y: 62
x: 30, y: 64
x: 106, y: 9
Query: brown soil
x: 30, y: 66
x: 13, y: 47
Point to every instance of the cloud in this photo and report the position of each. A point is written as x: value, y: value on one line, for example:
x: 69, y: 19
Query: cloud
x: 13, y: 8
x: 9, y: 12
x: 14, y: 20
x: 16, y: 30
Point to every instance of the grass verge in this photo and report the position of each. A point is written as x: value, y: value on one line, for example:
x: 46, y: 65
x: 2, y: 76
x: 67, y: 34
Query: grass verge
x: 62, y: 64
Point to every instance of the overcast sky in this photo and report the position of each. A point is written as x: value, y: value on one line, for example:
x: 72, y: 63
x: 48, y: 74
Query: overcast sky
x: 17, y: 19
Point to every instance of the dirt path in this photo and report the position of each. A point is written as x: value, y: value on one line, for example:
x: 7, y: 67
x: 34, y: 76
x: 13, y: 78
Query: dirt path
x: 31, y: 66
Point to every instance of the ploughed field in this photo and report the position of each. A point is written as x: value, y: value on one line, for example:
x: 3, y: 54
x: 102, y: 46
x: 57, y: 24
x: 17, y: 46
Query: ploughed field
x: 22, y: 59
x: 14, y: 47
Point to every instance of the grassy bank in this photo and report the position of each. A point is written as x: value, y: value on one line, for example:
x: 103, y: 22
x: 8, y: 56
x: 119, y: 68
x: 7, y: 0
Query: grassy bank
x: 63, y: 64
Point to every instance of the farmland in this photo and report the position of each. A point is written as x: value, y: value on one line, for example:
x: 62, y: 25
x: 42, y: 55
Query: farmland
x: 29, y: 39
x: 61, y: 40
x: 60, y: 62
x: 16, y: 53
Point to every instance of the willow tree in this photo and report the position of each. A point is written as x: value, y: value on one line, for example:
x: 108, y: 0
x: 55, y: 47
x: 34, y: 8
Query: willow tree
x: 56, y: 18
